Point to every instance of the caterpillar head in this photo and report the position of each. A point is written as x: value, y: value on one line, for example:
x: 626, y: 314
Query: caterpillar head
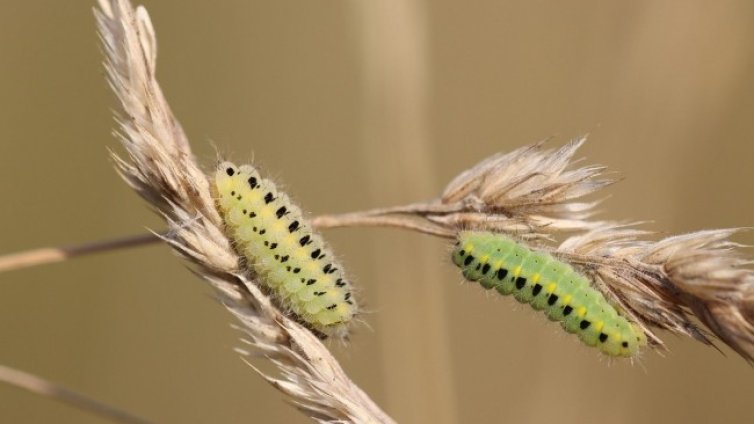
x: 229, y: 170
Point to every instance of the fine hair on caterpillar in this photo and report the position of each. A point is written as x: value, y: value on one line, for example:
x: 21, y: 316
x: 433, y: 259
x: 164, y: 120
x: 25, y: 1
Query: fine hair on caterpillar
x: 550, y: 285
x: 280, y: 247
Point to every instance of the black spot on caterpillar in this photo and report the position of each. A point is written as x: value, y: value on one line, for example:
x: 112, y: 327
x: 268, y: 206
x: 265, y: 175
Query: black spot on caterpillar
x: 567, y: 297
x: 280, y: 246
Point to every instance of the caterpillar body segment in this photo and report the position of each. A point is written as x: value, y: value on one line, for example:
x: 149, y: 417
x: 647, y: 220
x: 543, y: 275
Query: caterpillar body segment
x: 547, y: 284
x: 280, y: 246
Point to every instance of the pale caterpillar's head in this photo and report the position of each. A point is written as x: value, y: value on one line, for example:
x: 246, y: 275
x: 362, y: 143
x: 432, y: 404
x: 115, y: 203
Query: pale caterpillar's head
x: 229, y: 169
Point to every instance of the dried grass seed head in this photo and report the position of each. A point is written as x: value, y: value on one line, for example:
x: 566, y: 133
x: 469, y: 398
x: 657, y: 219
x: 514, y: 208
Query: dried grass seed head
x: 531, y: 189
x: 159, y: 165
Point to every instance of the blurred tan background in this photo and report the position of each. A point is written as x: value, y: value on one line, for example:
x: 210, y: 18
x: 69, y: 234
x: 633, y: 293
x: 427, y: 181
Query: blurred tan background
x: 353, y: 105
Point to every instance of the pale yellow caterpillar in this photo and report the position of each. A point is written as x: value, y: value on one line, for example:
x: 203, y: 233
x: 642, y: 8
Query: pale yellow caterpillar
x: 281, y: 248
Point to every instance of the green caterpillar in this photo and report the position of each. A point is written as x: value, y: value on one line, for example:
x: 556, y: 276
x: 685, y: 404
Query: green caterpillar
x: 280, y: 246
x: 547, y: 284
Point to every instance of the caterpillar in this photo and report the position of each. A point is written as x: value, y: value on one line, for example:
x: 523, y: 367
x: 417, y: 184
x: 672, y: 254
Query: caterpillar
x: 279, y: 245
x: 547, y: 284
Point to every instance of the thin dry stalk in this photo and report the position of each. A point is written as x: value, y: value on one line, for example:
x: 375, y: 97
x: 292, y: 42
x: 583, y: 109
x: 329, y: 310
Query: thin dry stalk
x: 42, y: 387
x: 371, y: 218
x: 53, y: 254
x: 160, y: 167
x: 48, y: 255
